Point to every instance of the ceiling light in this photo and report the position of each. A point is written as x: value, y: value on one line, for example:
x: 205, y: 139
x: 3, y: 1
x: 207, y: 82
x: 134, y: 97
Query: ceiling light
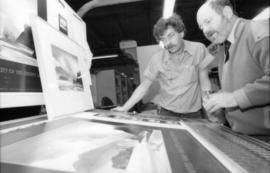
x: 168, y: 8
x: 105, y: 56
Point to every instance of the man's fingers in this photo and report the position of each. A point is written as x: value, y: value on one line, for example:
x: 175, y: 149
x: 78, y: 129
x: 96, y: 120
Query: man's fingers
x: 214, y: 108
x: 207, y: 105
x: 211, y: 106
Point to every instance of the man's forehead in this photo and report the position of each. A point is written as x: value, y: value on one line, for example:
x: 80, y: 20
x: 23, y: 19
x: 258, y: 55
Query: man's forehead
x: 204, y: 8
x: 168, y: 30
x: 204, y: 12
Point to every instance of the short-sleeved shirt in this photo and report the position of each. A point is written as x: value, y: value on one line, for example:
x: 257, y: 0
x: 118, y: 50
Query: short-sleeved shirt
x: 178, y: 77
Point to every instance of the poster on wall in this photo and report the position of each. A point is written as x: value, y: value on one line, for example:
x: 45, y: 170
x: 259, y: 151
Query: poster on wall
x: 20, y: 84
x: 18, y: 77
x: 65, y: 77
x: 18, y: 69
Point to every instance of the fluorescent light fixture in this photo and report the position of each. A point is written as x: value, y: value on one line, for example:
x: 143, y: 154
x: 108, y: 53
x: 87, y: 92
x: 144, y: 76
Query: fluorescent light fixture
x: 168, y: 8
x: 263, y: 15
x: 105, y: 56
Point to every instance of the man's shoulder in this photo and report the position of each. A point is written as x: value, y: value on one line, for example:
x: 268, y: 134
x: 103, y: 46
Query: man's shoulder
x: 156, y: 57
x: 158, y: 54
x: 259, y: 29
x: 194, y: 44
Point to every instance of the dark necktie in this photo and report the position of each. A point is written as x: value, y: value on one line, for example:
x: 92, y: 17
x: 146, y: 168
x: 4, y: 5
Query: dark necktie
x: 227, y: 45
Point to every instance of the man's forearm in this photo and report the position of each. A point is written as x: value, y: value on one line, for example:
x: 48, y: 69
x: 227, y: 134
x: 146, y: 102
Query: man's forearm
x: 135, y: 98
x: 137, y: 95
x: 205, y: 81
x: 254, y: 94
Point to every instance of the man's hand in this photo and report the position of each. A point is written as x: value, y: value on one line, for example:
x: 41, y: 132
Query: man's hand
x: 219, y: 100
x: 119, y: 109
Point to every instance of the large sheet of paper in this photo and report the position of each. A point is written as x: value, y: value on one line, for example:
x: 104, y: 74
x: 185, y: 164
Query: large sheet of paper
x: 92, y: 147
x: 65, y: 78
x: 144, y: 119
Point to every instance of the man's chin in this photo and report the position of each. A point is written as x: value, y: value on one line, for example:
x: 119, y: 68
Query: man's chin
x: 171, y: 50
x: 218, y: 40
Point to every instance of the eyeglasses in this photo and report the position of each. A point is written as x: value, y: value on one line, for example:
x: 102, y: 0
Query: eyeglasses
x: 170, y: 36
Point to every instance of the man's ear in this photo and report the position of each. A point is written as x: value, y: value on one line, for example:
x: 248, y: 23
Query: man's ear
x: 227, y: 12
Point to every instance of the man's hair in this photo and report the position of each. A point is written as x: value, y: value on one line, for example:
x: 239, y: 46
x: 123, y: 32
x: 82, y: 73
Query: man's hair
x: 218, y: 5
x: 162, y: 24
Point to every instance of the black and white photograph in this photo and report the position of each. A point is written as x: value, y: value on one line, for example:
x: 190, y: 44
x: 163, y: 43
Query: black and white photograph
x: 67, y: 69
x: 86, y: 149
x: 15, y: 31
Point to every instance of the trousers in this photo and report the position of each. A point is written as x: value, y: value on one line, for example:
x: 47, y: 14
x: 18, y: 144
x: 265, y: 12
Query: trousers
x: 196, y: 115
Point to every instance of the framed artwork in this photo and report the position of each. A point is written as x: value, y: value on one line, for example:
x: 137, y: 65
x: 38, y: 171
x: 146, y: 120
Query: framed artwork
x: 65, y: 77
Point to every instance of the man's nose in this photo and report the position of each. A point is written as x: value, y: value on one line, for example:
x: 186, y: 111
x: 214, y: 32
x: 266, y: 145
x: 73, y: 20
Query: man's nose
x: 208, y: 34
x: 205, y: 30
x: 166, y: 42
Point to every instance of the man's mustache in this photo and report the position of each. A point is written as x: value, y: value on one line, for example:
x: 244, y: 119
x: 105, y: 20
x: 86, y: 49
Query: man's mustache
x: 169, y: 46
x: 209, y: 33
